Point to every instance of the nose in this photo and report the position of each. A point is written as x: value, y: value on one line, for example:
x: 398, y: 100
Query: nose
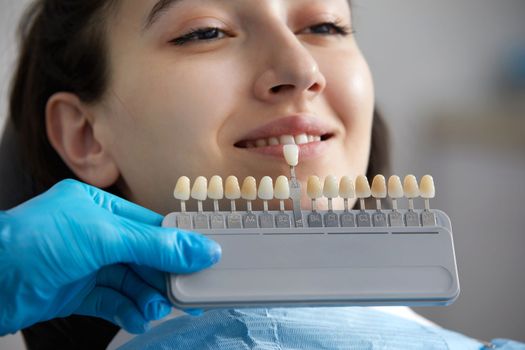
x: 289, y: 72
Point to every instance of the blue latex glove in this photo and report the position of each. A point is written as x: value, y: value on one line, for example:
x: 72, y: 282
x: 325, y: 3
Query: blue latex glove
x: 67, y: 252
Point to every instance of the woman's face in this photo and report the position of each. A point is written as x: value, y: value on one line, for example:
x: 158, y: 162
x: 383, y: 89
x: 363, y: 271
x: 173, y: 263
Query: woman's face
x: 207, y: 87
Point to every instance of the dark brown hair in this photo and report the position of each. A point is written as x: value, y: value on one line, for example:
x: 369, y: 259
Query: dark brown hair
x: 63, y: 48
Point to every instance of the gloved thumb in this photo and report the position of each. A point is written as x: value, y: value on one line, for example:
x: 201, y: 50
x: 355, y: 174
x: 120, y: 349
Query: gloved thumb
x: 165, y: 249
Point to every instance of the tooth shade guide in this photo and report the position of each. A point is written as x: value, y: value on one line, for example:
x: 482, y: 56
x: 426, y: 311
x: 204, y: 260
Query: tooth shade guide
x: 411, y: 190
x: 427, y: 190
x: 346, y: 190
x: 330, y: 190
x: 365, y: 217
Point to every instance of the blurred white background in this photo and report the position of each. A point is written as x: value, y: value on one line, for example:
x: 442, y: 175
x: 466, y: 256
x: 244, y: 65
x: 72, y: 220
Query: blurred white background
x: 451, y: 83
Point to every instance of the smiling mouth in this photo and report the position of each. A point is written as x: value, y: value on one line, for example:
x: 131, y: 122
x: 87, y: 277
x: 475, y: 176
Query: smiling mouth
x: 299, y: 139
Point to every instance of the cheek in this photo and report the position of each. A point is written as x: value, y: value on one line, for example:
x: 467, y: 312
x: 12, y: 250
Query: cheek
x: 179, y: 104
x: 350, y: 92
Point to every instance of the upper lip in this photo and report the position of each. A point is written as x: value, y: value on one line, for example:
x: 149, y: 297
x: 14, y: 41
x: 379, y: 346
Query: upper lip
x: 290, y: 125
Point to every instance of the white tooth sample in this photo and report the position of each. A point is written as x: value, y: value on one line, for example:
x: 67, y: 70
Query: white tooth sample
x: 260, y: 143
x: 300, y: 139
x: 287, y: 140
x: 215, y: 189
x: 265, y: 191
x: 362, y: 187
x: 272, y: 141
x: 182, y: 189
x: 410, y: 186
x: 317, y: 138
x: 291, y: 154
x: 282, y: 188
x: 199, y: 191
x: 314, y: 189
x: 331, y: 187
x: 231, y: 188
x: 310, y: 138
x: 379, y: 187
x: 426, y: 187
x: 395, y: 189
x: 249, y: 189
x: 346, y: 187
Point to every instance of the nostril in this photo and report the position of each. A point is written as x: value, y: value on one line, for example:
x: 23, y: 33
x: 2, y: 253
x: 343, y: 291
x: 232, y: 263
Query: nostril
x: 278, y: 88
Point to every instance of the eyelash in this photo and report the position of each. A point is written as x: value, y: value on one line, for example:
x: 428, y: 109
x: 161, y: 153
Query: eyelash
x: 193, y: 34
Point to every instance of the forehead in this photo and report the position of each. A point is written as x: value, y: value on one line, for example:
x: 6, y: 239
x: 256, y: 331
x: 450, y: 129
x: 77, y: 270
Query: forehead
x: 147, y: 12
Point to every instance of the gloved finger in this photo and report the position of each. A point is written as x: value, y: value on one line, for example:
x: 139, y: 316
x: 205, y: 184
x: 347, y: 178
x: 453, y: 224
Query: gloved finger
x: 155, y: 278
x: 164, y: 249
x: 114, y: 307
x: 120, y: 206
x: 148, y: 300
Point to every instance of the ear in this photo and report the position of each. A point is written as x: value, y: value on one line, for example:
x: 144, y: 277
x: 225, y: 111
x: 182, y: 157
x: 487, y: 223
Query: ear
x: 70, y: 130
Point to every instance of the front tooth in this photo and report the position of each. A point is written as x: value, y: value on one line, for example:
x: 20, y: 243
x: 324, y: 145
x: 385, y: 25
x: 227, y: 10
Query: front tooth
x: 282, y: 188
x: 231, y: 188
x: 379, y: 186
x: 215, y: 189
x: 410, y: 186
x: 272, y: 141
x: 313, y: 187
x: 249, y: 189
x: 287, y: 140
x: 310, y: 138
x: 300, y: 139
x: 199, y: 190
x: 317, y: 138
x: 182, y: 189
x: 426, y: 187
x: 346, y: 187
x: 395, y: 189
x: 266, y: 188
x: 260, y: 143
x: 331, y: 187
x: 362, y: 187
x: 291, y: 154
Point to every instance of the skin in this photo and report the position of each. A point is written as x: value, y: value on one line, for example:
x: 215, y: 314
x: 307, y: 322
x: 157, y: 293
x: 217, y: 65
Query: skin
x: 173, y: 110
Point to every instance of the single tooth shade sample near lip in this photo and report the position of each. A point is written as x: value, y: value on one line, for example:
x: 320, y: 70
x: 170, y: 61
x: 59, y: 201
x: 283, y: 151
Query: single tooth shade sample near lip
x: 282, y: 188
x: 291, y: 154
x: 395, y: 188
x: 215, y: 189
x: 313, y: 187
x: 199, y: 191
x: 379, y: 186
x: 249, y: 189
x: 362, y: 187
x: 182, y: 189
x: 231, y: 188
x: 410, y: 186
x: 426, y: 187
x: 331, y: 187
x: 266, y: 188
x: 346, y: 187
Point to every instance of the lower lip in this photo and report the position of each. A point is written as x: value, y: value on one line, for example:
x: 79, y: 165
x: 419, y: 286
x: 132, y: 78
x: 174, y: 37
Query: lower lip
x: 306, y: 150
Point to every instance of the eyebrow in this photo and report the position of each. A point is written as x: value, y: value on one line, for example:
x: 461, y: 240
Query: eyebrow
x: 160, y: 7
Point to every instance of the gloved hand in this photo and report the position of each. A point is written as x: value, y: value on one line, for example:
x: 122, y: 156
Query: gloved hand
x: 71, y: 250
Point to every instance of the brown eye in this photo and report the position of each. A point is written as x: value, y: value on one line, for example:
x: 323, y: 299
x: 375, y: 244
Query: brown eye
x: 199, y: 34
x: 329, y: 28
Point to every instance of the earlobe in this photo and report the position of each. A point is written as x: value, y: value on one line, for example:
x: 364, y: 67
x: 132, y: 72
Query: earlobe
x: 70, y: 130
